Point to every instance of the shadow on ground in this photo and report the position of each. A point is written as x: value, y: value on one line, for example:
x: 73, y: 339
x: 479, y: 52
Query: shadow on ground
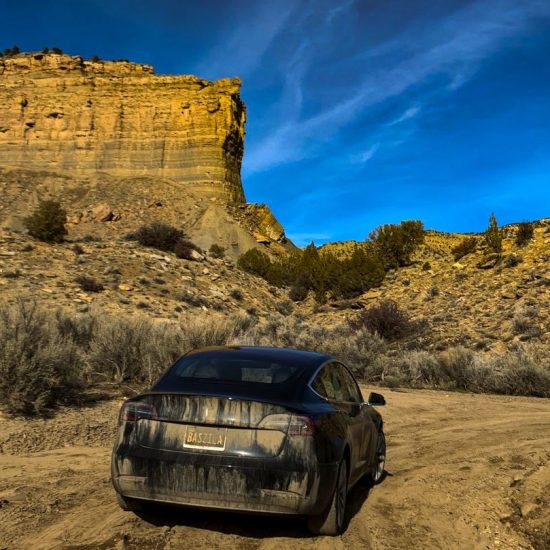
x: 248, y: 525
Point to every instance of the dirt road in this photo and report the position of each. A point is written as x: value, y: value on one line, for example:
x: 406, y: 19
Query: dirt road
x: 463, y: 471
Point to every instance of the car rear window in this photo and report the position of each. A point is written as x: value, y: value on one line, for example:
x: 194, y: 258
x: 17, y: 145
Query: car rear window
x: 231, y: 370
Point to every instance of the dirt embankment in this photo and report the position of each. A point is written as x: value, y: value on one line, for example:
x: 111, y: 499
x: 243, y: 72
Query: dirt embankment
x: 463, y: 471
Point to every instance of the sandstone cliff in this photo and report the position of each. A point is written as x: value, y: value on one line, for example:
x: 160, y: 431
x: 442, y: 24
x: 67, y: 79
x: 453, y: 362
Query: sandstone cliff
x: 112, y: 136
x: 64, y: 114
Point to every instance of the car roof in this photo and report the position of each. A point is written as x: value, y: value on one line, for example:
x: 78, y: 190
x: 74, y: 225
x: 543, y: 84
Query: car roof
x: 298, y: 358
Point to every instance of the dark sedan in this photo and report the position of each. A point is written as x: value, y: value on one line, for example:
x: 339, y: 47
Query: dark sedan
x: 254, y: 429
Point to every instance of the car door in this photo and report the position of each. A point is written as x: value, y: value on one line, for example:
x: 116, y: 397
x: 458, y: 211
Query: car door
x: 366, y: 427
x: 349, y: 401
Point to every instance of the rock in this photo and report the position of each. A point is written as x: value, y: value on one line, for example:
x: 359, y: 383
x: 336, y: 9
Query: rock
x: 458, y: 265
x: 102, y: 213
x: 527, y: 509
x: 122, y: 120
x: 196, y: 256
x: 125, y: 288
x: 371, y: 295
x: 516, y: 481
x: 488, y: 262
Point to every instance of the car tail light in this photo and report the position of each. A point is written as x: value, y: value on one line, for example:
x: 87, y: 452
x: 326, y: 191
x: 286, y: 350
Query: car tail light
x: 301, y: 425
x: 275, y: 422
x: 134, y: 410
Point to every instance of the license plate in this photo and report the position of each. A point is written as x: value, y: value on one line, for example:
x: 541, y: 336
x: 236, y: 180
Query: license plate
x: 211, y: 439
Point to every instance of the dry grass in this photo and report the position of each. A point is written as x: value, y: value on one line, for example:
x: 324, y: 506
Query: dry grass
x: 46, y: 358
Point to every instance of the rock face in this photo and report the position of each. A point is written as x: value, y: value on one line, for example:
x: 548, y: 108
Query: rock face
x: 64, y: 114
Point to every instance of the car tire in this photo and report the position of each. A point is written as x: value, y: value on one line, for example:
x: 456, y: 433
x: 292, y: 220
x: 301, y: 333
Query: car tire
x: 129, y: 504
x: 331, y: 521
x: 378, y: 470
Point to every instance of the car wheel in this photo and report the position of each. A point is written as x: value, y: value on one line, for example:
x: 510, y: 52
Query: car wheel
x: 380, y: 462
x: 129, y: 504
x: 331, y: 521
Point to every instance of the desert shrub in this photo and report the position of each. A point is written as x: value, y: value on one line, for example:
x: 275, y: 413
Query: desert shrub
x: 58, y: 51
x: 47, y: 222
x: 217, y: 251
x: 16, y: 273
x: 512, y: 260
x: 77, y: 328
x: 396, y: 243
x: 218, y: 331
x: 158, y: 235
x: 96, y: 59
x: 433, y: 291
x: 89, y: 284
x: 39, y: 367
x: 284, y: 307
x: 256, y: 262
x: 465, y: 247
x: 184, y: 249
x: 298, y: 293
x: 194, y: 300
x: 494, y: 235
x: 236, y: 294
x: 457, y: 367
x: 10, y: 52
x: 525, y: 233
x: 133, y: 349
x: 91, y: 239
x: 386, y: 319
x: 426, y: 266
x: 78, y: 250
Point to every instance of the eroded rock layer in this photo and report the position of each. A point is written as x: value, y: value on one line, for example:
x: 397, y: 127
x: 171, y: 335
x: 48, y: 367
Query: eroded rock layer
x: 64, y: 114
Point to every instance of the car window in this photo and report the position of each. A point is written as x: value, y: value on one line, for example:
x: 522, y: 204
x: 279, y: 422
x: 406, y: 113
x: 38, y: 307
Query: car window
x: 353, y: 394
x: 331, y: 382
x: 250, y: 371
x: 322, y: 383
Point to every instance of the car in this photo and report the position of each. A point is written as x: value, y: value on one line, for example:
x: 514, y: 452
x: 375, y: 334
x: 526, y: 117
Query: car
x: 263, y: 430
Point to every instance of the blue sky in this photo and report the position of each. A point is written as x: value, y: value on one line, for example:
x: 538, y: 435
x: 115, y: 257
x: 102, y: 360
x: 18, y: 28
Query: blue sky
x: 360, y: 112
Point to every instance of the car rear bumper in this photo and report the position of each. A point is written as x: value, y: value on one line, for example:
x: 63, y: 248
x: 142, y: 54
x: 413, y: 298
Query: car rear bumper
x: 211, y: 482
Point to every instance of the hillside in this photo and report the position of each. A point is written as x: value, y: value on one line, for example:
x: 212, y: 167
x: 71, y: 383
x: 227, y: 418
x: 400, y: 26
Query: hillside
x: 471, y: 302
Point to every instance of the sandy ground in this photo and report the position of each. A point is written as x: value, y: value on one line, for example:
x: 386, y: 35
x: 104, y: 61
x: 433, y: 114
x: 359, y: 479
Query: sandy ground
x: 463, y: 471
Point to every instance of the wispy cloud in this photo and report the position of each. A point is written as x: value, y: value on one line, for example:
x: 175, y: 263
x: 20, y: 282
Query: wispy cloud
x: 366, y: 155
x: 241, y: 52
x: 411, y: 112
x: 455, y: 49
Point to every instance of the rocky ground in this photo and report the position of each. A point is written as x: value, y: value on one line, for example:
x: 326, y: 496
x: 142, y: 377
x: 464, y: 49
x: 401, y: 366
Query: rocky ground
x: 463, y: 471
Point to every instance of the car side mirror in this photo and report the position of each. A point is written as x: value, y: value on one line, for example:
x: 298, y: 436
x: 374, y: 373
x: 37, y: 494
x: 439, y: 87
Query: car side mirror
x: 376, y: 400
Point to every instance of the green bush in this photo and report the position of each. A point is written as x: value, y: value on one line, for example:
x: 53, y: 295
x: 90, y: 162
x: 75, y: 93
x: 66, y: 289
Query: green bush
x: 323, y: 273
x: 494, y: 235
x: 89, y: 284
x: 298, y: 293
x: 525, y: 233
x: 236, y: 294
x: 158, y: 235
x: 465, y: 247
x: 217, y: 251
x: 47, y: 222
x: 385, y: 319
x: 10, y: 52
x: 256, y: 262
x: 396, y: 243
